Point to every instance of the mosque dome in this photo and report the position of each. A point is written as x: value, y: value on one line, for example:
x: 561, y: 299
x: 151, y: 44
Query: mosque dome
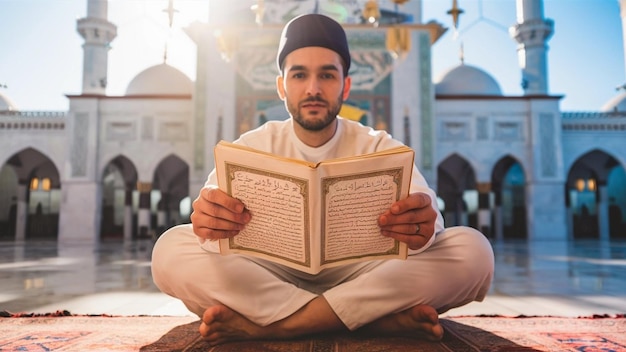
x: 466, y: 80
x: 161, y: 79
x: 617, y: 103
x: 6, y: 104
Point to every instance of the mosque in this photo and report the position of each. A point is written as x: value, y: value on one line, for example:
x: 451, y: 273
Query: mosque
x: 126, y: 167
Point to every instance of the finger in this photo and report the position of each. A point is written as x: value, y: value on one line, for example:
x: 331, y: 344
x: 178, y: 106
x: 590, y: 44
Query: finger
x: 423, y: 228
x: 407, y: 229
x: 217, y: 196
x: 217, y: 223
x: 214, y: 235
x: 411, y: 217
x: 215, y: 203
x: 413, y: 241
x: 216, y: 215
x: 225, y: 225
x: 413, y: 201
x: 211, y: 211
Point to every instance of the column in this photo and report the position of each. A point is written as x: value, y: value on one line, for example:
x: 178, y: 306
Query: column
x: 498, y: 226
x: 80, y: 213
x: 449, y: 213
x: 143, y: 215
x: 569, y: 215
x: 461, y: 211
x: 484, y: 209
x: 450, y: 217
x: 128, y: 214
x: 22, y: 212
x: 162, y: 214
x: 603, y: 211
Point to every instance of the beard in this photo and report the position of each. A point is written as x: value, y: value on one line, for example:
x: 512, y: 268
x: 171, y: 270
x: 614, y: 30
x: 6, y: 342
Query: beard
x: 317, y: 124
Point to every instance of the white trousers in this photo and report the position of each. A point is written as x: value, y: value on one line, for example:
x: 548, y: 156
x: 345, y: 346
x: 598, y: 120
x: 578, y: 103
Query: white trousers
x: 455, y: 270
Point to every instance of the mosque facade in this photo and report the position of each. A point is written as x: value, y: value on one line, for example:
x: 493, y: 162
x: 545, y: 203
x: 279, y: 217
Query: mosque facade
x: 125, y: 166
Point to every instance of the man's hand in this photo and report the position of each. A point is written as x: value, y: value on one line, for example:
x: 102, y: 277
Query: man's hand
x: 410, y: 220
x: 217, y: 215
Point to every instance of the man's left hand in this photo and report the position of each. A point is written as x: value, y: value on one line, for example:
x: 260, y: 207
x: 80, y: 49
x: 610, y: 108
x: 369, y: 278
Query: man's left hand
x: 410, y: 220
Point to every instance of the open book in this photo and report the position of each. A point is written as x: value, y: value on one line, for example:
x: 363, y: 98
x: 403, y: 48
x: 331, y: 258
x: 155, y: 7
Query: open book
x: 310, y: 216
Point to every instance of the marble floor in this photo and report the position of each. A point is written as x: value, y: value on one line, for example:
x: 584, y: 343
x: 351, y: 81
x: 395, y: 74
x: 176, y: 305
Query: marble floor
x: 578, y: 278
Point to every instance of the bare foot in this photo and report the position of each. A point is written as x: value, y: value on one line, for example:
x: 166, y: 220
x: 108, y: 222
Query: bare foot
x: 419, y: 321
x: 221, y: 324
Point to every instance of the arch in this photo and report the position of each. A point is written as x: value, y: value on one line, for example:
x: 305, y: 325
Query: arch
x: 595, y: 193
x: 456, y: 185
x: 508, y: 183
x: 119, y: 179
x: 8, y: 202
x: 34, y: 186
x: 170, y: 186
x: 126, y: 168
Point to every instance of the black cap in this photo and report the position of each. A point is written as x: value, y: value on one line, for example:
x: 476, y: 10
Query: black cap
x: 313, y: 30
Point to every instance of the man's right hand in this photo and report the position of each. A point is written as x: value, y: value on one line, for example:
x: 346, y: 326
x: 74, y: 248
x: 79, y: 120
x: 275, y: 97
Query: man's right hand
x: 217, y: 215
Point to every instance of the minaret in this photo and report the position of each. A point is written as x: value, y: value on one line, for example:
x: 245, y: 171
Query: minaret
x: 532, y: 32
x: 622, y: 14
x: 98, y: 33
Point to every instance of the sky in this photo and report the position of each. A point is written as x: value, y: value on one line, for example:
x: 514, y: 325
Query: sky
x: 41, y: 52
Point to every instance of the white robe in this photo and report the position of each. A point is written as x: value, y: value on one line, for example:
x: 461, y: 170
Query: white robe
x: 453, y: 269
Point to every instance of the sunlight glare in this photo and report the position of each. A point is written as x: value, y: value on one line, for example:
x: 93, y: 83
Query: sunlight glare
x: 144, y: 38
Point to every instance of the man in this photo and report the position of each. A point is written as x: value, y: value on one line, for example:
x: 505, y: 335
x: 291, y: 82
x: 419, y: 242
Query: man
x: 240, y: 297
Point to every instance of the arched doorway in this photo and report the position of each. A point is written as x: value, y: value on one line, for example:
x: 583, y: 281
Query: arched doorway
x: 170, y: 188
x: 596, y: 196
x: 456, y: 186
x: 508, y: 185
x: 8, y: 202
x: 32, y: 185
x: 119, y: 200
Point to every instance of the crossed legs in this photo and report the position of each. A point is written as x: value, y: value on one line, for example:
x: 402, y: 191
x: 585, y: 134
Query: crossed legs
x: 238, y: 298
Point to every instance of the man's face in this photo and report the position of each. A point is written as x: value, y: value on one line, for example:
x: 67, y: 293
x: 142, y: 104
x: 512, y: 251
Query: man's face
x: 313, y: 86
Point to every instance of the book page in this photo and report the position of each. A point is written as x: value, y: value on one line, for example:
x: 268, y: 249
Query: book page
x: 354, y: 193
x: 353, y: 204
x: 280, y: 213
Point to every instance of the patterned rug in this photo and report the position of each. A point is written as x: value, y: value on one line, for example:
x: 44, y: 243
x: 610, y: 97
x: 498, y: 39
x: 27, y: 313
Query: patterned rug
x: 62, y: 331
